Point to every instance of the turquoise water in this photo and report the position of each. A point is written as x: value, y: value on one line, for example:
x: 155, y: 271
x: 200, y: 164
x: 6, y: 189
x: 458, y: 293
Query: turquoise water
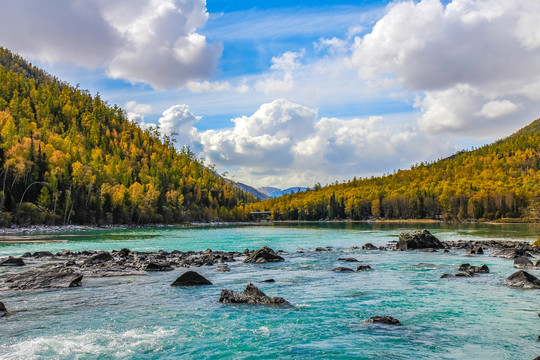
x: 142, y: 317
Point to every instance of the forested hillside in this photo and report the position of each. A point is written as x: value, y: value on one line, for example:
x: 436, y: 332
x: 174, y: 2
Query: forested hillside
x: 68, y: 157
x: 500, y: 180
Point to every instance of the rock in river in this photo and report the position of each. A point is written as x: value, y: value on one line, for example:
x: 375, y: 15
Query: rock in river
x: 252, y: 295
x: 57, y: 277
x: 417, y: 239
x: 522, y: 279
x: 512, y: 253
x: 363, y: 268
x: 12, y: 261
x: 387, y: 320
x: 3, y: 309
x: 191, y: 278
x: 263, y: 255
x: 523, y: 262
x: 484, y: 269
x: 223, y: 268
x: 153, y: 266
x: 369, y: 246
x: 342, y: 269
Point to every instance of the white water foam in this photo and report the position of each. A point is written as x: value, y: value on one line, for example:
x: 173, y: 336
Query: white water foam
x: 96, y: 342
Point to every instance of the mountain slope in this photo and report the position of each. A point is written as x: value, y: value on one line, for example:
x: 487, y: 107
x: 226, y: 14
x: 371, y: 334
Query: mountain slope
x: 69, y: 157
x: 495, y: 181
x: 250, y: 189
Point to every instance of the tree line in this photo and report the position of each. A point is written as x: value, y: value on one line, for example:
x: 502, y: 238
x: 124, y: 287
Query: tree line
x: 499, y: 180
x: 68, y: 157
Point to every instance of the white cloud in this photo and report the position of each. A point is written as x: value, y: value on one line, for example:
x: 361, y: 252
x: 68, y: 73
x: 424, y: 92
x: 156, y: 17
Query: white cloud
x: 177, y: 121
x: 494, y: 109
x: 150, y: 41
x: 133, y: 106
x: 472, y: 62
x: 207, y: 86
x: 281, y: 79
x: 286, y: 144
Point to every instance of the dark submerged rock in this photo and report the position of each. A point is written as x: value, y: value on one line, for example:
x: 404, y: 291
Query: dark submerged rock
x: 13, y: 261
x: 56, y: 277
x: 191, y: 278
x: 3, y: 310
x: 426, y: 266
x: 263, y: 255
x: 417, y: 239
x: 320, y: 249
x: 342, y: 269
x: 363, y: 268
x: 459, y: 274
x: 387, y: 320
x: 348, y: 259
x: 252, y: 296
x: 522, y: 279
x: 269, y: 280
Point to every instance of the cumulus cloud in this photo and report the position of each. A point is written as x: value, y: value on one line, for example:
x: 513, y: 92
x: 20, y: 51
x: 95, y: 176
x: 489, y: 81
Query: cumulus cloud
x: 150, y: 41
x: 287, y: 144
x: 177, y: 122
x: 474, y: 63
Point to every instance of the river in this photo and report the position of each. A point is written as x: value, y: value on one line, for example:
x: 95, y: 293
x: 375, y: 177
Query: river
x: 142, y: 317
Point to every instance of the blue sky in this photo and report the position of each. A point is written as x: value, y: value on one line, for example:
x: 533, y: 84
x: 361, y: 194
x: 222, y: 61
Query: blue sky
x: 290, y: 93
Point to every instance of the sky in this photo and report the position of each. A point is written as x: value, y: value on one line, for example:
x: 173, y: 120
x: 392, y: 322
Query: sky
x: 291, y: 93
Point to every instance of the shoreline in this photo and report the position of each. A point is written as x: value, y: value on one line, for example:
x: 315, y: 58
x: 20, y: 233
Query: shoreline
x: 52, y: 229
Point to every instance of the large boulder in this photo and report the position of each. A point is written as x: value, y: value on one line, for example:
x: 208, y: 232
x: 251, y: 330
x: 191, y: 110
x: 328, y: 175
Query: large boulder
x: 191, y: 278
x: 523, y: 262
x: 57, y: 277
x: 387, y: 320
x: 263, y: 255
x: 522, y: 279
x: 252, y: 296
x: 417, y: 239
x: 3, y: 310
x: 12, y: 261
x: 512, y: 253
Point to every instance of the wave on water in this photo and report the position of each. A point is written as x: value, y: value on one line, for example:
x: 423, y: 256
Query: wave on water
x: 103, y: 343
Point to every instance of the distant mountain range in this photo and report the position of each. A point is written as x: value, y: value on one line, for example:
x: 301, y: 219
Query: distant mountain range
x: 267, y: 192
